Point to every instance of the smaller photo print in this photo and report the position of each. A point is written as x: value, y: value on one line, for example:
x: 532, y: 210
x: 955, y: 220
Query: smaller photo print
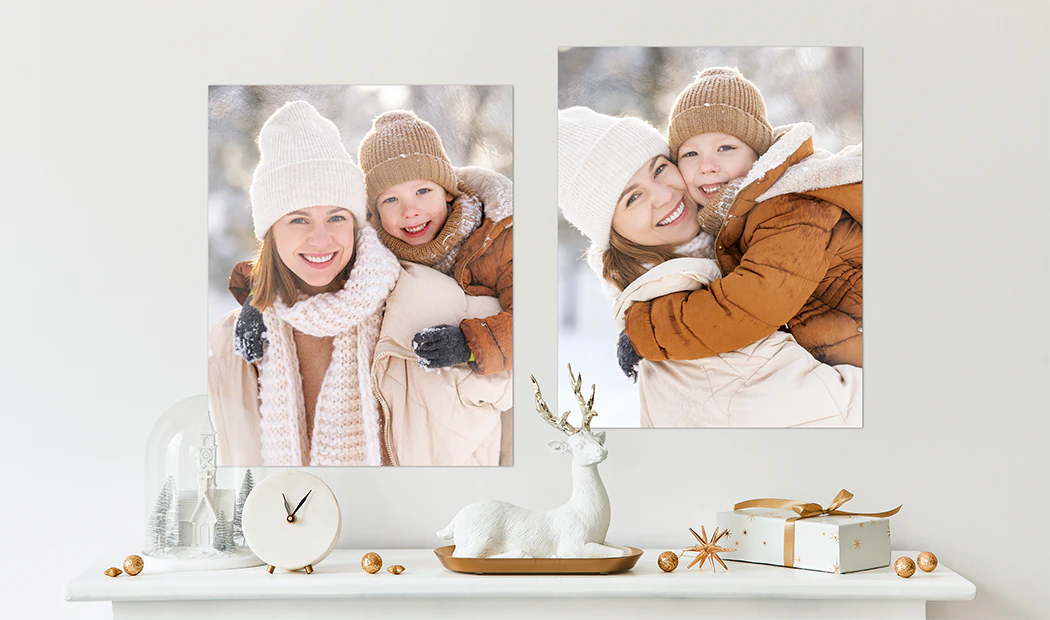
x: 710, y: 244
x: 360, y: 256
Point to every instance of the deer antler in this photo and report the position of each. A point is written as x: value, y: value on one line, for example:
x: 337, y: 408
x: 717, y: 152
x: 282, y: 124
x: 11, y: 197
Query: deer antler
x: 585, y: 405
x: 562, y: 423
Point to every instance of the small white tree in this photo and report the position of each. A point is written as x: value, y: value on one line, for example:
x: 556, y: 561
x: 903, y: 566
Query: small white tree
x: 221, y: 539
x: 246, y: 487
x: 172, y: 516
x: 157, y: 531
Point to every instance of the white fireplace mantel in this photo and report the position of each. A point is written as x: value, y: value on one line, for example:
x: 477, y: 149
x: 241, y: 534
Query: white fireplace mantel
x: 338, y: 588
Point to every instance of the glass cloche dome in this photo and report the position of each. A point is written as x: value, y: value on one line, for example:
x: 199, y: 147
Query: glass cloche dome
x: 193, y: 506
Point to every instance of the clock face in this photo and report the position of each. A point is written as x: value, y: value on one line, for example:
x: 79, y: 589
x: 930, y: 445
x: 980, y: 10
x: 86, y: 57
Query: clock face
x: 295, y: 534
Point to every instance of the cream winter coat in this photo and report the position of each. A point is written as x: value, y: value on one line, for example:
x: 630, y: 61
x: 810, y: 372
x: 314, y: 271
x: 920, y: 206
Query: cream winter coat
x: 435, y: 417
x: 773, y: 382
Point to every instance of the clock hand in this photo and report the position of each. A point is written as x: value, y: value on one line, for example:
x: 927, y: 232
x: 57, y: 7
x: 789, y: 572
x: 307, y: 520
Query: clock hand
x: 302, y: 501
x: 287, y: 508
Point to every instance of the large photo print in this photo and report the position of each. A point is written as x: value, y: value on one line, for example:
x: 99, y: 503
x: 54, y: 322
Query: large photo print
x: 360, y: 275
x: 710, y: 243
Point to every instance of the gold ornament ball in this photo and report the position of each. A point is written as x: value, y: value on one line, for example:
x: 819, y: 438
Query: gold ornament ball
x: 371, y: 562
x: 112, y: 571
x: 927, y: 561
x: 668, y: 561
x: 904, y: 566
x: 133, y: 565
x: 396, y: 569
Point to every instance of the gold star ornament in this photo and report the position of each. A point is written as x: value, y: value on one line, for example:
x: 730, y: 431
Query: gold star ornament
x: 708, y: 550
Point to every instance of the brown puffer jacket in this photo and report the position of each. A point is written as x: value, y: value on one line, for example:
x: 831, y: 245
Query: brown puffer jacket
x: 790, y: 246
x: 484, y: 267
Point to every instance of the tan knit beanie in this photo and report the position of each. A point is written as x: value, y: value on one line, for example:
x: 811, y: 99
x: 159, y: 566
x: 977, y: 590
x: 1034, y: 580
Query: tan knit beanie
x: 597, y: 156
x: 403, y: 147
x: 724, y: 101
x: 302, y: 163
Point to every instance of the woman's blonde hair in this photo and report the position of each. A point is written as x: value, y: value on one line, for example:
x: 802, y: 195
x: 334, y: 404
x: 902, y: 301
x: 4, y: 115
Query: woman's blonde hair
x: 625, y: 261
x: 270, y: 278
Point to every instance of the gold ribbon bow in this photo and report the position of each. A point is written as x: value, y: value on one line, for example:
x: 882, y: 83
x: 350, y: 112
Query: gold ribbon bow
x: 808, y: 511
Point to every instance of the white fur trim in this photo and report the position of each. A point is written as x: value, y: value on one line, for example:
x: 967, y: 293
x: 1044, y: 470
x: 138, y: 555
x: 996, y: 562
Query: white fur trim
x: 820, y: 170
x: 495, y: 190
x: 791, y: 138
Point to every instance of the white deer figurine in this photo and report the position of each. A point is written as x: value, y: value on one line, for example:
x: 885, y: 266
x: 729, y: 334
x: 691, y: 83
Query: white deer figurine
x: 576, y: 529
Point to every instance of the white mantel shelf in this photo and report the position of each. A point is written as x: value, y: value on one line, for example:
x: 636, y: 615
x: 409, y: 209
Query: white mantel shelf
x: 340, y: 579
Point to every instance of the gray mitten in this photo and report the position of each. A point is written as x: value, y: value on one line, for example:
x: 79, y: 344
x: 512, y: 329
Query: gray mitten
x: 249, y: 333
x: 627, y: 356
x: 441, y: 347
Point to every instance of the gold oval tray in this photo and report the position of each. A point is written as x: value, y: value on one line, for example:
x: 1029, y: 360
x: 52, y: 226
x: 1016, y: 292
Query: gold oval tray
x: 537, y: 566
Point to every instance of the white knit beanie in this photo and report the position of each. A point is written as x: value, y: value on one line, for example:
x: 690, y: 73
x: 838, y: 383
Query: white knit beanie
x: 597, y: 156
x: 303, y: 163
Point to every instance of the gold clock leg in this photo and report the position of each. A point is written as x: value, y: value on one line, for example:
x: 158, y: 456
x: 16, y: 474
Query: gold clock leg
x: 269, y: 569
x: 309, y: 569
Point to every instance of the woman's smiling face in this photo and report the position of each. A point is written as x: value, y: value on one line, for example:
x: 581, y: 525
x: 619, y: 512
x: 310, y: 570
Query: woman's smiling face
x: 654, y: 208
x: 709, y: 160
x: 316, y: 243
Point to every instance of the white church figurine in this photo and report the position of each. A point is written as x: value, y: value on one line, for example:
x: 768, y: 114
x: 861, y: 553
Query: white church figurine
x: 576, y: 529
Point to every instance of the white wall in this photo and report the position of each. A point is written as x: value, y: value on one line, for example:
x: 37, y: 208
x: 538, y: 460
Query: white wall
x: 103, y: 242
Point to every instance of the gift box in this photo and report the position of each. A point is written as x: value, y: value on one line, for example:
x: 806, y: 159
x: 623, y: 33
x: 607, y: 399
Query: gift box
x: 805, y: 535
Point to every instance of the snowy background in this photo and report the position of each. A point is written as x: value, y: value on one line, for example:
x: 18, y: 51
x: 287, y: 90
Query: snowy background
x: 818, y: 85
x: 475, y: 124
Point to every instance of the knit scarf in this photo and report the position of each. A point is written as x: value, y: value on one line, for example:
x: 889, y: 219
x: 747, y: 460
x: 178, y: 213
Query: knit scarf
x: 714, y: 214
x: 346, y: 416
x: 440, y: 254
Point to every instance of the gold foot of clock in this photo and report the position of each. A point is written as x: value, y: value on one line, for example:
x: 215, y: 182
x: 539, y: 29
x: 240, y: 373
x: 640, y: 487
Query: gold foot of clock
x: 309, y: 569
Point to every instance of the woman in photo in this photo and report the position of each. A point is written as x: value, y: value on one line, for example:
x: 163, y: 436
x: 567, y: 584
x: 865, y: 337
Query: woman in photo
x: 289, y: 373
x: 618, y: 186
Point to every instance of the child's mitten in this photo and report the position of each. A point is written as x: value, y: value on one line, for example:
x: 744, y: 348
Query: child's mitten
x: 441, y: 347
x: 249, y: 332
x: 627, y: 357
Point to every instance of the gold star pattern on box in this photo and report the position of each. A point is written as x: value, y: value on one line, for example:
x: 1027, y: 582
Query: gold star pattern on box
x: 856, y: 543
x: 707, y: 550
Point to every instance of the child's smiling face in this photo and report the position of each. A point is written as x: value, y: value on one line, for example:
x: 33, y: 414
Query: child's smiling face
x: 414, y: 211
x: 316, y: 243
x: 654, y: 208
x: 709, y: 160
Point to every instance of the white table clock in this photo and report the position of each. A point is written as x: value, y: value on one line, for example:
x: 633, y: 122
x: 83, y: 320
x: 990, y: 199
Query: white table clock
x: 291, y: 520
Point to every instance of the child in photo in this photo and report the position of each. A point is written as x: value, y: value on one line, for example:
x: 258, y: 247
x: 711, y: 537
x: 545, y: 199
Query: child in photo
x: 618, y: 186
x: 289, y: 372
x: 787, y: 226
x: 452, y: 222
